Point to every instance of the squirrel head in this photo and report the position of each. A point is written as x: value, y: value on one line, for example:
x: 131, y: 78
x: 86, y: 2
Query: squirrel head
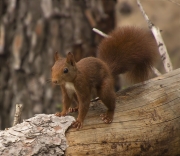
x: 64, y: 69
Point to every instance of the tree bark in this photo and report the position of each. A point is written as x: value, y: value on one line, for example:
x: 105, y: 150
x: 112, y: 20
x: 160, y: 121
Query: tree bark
x: 40, y: 135
x: 31, y: 31
x: 146, y: 122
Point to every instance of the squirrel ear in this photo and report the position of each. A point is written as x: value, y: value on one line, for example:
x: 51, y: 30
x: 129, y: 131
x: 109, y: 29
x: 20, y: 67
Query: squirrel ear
x: 70, y: 59
x: 56, y: 56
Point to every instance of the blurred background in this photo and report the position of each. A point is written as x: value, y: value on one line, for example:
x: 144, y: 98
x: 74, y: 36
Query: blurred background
x: 32, y: 31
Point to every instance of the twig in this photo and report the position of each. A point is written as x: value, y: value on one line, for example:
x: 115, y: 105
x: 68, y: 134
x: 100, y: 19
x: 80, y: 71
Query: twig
x: 162, y: 48
x: 18, y: 112
x: 100, y: 33
x: 156, y: 72
x: 96, y: 99
x: 90, y: 18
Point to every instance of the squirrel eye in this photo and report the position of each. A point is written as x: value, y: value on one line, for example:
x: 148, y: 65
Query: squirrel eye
x: 65, y: 70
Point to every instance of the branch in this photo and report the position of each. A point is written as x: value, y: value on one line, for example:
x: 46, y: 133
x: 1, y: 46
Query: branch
x: 162, y: 48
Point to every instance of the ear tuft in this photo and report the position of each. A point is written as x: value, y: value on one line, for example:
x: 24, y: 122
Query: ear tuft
x: 70, y: 59
x: 70, y: 54
x: 56, y: 56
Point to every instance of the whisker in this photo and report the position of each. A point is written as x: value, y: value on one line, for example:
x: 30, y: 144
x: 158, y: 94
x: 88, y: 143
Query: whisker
x: 50, y: 81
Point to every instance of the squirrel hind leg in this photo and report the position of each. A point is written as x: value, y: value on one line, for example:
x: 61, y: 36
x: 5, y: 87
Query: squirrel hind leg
x: 107, y: 95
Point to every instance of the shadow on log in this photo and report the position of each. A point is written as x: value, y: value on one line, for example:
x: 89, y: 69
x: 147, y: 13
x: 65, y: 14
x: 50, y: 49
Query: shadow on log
x: 146, y: 122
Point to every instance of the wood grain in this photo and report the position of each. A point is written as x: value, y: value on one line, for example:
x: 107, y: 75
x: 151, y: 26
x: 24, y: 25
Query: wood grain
x: 146, y: 122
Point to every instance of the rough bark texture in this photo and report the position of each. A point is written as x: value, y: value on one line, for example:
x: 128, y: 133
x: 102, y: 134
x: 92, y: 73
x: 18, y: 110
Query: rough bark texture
x: 31, y: 31
x: 40, y: 135
x: 146, y: 122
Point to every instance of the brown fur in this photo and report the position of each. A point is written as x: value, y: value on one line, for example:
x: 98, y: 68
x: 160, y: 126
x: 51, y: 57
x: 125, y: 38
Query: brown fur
x: 89, y: 75
x: 129, y: 50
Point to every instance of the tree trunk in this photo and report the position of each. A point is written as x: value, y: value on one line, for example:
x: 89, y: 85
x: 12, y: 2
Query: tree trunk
x: 31, y: 31
x: 146, y: 122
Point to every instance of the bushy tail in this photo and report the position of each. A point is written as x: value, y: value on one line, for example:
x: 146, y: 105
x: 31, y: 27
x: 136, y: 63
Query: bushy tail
x: 139, y: 73
x: 129, y: 50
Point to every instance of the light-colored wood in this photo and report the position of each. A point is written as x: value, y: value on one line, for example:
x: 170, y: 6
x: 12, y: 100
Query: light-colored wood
x: 146, y: 122
x: 159, y: 40
x: 18, y: 112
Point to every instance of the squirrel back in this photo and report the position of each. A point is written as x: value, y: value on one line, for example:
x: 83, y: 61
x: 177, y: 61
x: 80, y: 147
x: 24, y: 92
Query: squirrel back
x: 129, y: 50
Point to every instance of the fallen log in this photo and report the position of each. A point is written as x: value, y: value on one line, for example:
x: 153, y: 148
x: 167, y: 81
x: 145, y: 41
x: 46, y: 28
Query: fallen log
x: 146, y: 122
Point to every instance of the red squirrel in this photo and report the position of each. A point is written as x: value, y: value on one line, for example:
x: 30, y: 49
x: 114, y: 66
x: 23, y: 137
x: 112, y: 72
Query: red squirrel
x: 128, y: 50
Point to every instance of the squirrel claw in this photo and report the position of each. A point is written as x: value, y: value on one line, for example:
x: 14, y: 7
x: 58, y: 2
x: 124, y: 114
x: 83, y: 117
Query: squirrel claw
x: 71, y: 110
x: 77, y: 124
x: 106, y: 118
x: 60, y: 114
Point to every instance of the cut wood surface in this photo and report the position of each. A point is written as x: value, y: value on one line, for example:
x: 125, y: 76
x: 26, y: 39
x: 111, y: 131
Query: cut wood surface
x: 146, y: 122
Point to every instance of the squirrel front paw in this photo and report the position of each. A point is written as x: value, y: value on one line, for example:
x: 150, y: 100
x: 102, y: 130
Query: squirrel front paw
x: 77, y: 124
x: 71, y: 110
x: 60, y: 114
x: 107, y: 118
